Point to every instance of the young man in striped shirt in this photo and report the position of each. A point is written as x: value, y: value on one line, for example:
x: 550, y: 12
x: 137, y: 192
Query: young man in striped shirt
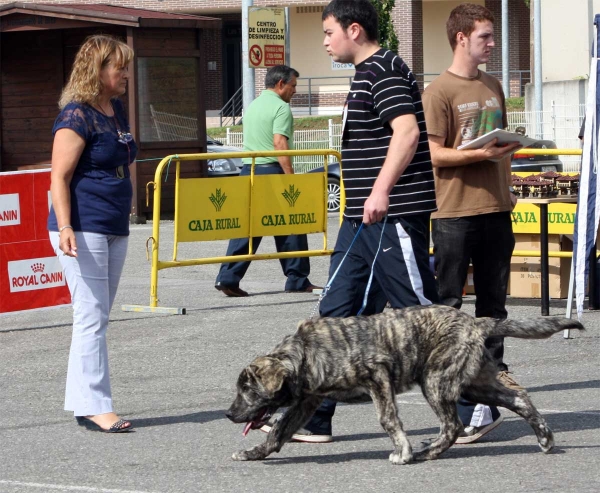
x: 388, y: 180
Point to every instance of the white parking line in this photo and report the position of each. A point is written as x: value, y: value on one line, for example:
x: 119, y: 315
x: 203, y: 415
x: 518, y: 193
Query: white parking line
x: 542, y: 411
x: 560, y: 411
x: 62, y: 487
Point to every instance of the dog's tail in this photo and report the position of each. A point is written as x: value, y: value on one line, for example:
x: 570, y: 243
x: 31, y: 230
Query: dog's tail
x: 537, y: 328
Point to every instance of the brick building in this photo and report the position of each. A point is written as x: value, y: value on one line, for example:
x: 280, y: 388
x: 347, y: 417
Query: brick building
x: 419, y: 25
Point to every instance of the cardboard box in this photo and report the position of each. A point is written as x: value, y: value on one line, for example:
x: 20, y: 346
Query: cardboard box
x: 525, y: 272
x: 525, y: 277
x: 469, y: 284
x: 526, y: 241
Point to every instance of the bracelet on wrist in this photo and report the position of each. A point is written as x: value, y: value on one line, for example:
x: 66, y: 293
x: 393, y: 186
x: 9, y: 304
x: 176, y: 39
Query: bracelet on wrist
x: 62, y: 228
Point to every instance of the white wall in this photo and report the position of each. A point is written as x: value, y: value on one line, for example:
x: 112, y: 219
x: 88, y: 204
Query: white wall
x: 562, y: 93
x: 308, y: 55
x: 567, y: 30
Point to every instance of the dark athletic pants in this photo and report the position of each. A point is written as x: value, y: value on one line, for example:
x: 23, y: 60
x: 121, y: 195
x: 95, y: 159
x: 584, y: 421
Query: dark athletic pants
x: 295, y: 269
x: 487, y: 241
x: 402, y: 275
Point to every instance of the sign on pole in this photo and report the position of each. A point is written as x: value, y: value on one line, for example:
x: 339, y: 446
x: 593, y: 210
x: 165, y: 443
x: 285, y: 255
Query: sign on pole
x: 266, y: 37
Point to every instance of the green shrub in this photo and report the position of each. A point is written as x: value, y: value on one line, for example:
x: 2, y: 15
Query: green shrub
x: 515, y: 104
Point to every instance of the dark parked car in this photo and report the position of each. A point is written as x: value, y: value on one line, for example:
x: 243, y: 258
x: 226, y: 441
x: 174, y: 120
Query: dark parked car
x: 333, y: 185
x: 534, y: 163
x: 222, y: 166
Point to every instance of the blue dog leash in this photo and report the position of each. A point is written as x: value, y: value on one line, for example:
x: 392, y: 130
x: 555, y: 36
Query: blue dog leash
x: 328, y: 285
x: 368, y: 288
x: 364, y: 304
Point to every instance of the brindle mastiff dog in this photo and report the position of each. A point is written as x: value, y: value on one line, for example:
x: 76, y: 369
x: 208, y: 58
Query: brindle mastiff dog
x: 378, y: 357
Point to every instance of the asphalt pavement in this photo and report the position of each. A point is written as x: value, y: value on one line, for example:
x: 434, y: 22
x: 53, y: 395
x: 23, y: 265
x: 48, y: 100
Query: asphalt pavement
x: 174, y: 376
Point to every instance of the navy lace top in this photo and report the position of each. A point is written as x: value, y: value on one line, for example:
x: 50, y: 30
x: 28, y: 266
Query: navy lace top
x: 101, y: 188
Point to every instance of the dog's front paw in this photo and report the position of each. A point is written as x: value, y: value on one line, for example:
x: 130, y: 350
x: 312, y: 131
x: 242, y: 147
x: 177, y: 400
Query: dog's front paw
x: 400, y: 459
x: 241, y: 455
x: 253, y: 454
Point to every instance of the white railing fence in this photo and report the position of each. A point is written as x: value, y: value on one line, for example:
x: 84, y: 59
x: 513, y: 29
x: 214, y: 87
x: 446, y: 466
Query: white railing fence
x: 235, y: 139
x: 327, y: 138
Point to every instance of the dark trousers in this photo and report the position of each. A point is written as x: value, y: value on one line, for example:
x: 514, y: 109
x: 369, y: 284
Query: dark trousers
x: 295, y: 269
x: 487, y: 241
x: 401, y: 275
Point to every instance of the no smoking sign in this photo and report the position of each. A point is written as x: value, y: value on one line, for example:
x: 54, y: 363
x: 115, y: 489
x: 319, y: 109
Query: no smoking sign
x: 266, y: 36
x: 255, y: 55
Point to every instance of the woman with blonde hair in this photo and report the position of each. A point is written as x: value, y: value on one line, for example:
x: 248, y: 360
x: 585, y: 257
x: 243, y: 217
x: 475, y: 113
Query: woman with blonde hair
x: 89, y: 220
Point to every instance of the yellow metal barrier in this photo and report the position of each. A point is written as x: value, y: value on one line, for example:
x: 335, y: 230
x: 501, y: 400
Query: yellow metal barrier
x: 526, y: 218
x: 533, y: 253
x: 549, y: 152
x: 153, y: 241
x: 243, y: 222
x: 564, y: 214
x: 537, y: 253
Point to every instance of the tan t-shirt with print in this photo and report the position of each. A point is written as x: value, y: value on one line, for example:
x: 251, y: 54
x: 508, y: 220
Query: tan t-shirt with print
x: 461, y: 109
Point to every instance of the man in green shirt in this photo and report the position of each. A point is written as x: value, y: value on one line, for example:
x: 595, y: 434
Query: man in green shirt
x: 269, y: 126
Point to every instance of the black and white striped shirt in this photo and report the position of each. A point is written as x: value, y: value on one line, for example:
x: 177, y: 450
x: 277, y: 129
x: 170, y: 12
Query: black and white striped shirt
x: 383, y: 89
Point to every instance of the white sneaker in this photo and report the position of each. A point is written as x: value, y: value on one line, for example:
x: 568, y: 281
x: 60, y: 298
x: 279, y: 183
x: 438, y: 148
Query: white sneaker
x: 302, y: 435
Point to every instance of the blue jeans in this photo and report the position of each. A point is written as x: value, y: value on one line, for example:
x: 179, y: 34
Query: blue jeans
x: 295, y: 269
x: 487, y: 241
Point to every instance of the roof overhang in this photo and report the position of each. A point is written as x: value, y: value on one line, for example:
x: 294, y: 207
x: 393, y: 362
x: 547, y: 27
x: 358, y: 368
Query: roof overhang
x: 19, y: 16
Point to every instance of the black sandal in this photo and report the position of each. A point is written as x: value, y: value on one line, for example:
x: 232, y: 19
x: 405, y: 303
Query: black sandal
x: 117, y: 427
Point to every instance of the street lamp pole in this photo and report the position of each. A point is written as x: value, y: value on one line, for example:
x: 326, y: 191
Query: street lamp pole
x: 247, y: 71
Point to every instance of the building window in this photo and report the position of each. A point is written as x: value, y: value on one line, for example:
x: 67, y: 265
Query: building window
x: 310, y: 10
x: 167, y: 97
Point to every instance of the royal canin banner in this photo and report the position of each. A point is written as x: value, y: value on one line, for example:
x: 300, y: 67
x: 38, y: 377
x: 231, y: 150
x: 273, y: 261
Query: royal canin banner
x: 31, y: 276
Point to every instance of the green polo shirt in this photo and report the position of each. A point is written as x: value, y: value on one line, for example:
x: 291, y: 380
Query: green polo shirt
x: 267, y: 115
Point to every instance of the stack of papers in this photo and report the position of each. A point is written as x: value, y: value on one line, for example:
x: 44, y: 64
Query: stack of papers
x: 503, y: 136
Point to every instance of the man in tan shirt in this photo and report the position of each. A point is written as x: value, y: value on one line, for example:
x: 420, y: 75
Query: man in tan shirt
x: 473, y: 221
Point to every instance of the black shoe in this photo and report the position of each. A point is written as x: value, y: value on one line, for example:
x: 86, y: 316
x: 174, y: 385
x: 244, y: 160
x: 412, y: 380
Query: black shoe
x: 117, y: 427
x: 232, y: 291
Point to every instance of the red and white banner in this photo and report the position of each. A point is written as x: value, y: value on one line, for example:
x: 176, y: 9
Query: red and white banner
x: 30, y: 274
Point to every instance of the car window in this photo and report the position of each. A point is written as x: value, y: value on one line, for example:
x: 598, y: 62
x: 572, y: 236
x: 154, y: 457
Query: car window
x: 211, y: 141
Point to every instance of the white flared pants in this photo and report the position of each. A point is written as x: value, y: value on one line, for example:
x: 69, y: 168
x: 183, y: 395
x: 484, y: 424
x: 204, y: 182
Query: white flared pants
x: 93, y: 277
